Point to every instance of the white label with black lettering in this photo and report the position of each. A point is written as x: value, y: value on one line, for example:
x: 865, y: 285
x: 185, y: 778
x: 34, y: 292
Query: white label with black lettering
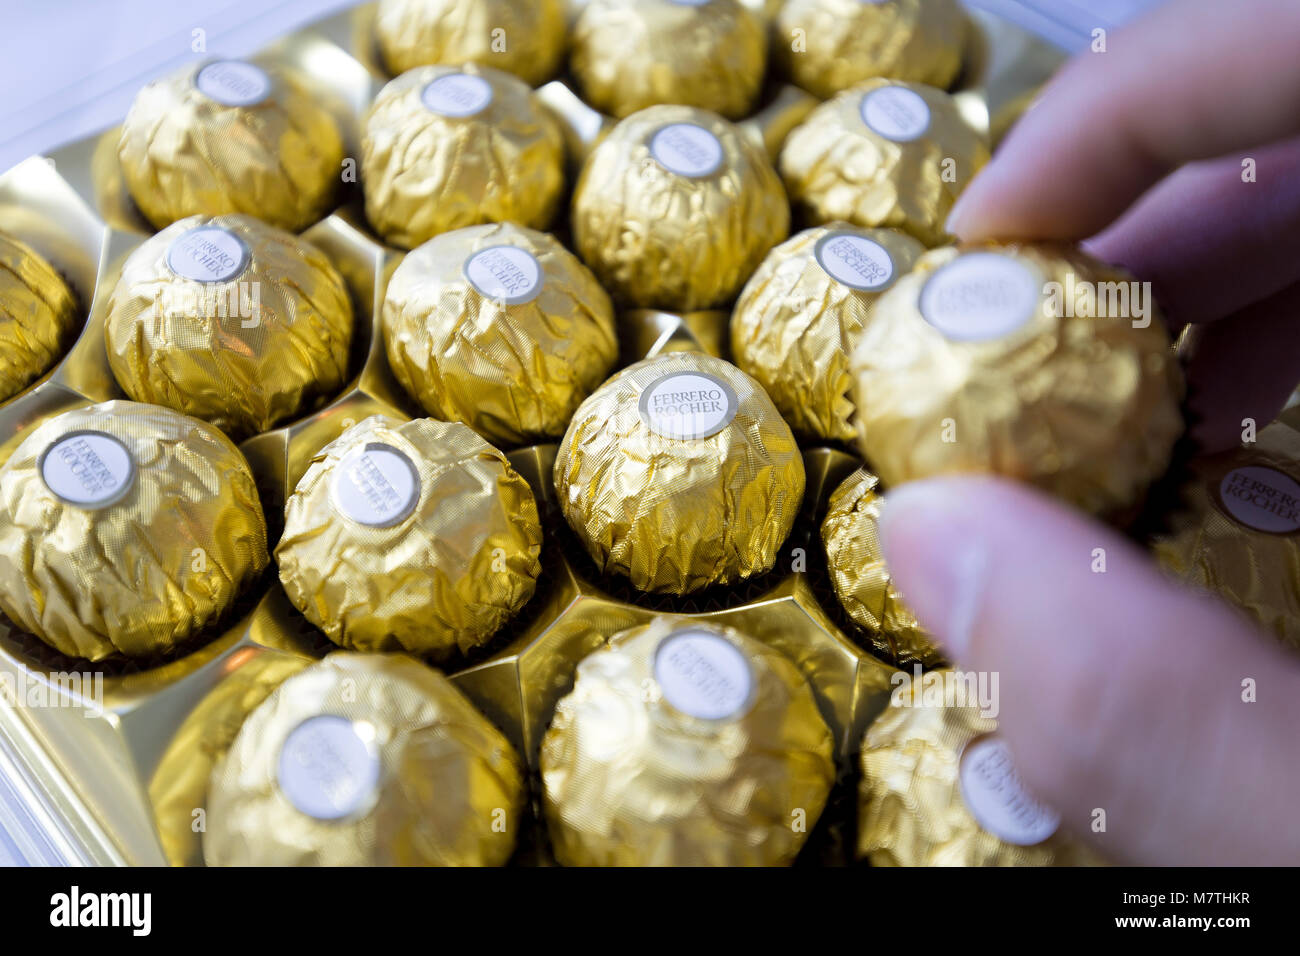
x: 980, y: 296
x: 1261, y: 498
x: 703, y: 675
x: 896, y: 113
x: 458, y: 95
x: 376, y: 486
x: 505, y: 273
x: 88, y: 469
x: 997, y: 799
x: 328, y: 767
x: 233, y: 83
x: 207, y: 254
x: 686, y: 150
x: 855, y: 261
x: 688, y: 405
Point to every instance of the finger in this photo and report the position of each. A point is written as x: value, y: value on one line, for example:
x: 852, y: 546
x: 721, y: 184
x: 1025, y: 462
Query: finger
x: 1192, y: 80
x: 1118, y: 690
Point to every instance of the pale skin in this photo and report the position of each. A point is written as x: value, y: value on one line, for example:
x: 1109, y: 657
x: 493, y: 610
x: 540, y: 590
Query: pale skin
x: 1121, y: 691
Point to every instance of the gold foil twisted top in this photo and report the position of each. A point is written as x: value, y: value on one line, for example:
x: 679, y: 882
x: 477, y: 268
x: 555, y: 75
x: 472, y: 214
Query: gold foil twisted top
x: 365, y: 760
x: 826, y: 46
x: 414, y: 536
x: 523, y: 37
x: 685, y: 239
x: 905, y: 170
x: 981, y: 360
x: 501, y: 328
x: 125, y: 528
x: 799, y: 316
x: 685, y: 744
x: 630, y: 54
x: 446, y: 147
x: 680, y: 473
x: 862, y: 582
x: 245, y: 347
x: 38, y: 314
x: 185, y: 153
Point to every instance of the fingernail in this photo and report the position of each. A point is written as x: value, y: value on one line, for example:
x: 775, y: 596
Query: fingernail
x: 937, y: 557
x: 954, y: 224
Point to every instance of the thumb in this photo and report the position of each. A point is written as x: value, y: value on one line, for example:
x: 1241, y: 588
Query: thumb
x: 1119, y: 690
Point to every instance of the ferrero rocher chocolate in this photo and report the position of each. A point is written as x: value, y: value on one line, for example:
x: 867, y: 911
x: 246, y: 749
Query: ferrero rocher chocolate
x: 444, y: 147
x: 862, y: 582
x: 679, y: 473
x: 231, y: 137
x: 630, y: 54
x: 1238, y: 532
x: 685, y: 744
x: 125, y: 528
x: 229, y: 320
x: 826, y: 46
x: 798, y: 317
x: 883, y: 154
x: 365, y: 760
x: 1034, y: 361
x: 38, y: 313
x: 501, y: 328
x: 676, y: 208
x: 523, y: 37
x: 939, y: 787
x: 414, y: 536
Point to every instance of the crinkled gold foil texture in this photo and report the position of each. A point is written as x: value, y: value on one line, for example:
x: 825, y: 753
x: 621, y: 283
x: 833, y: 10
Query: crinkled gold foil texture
x: 523, y: 37
x: 677, y: 514
x: 631, y: 780
x: 444, y: 576
x: 1237, y: 533
x: 185, y: 154
x: 795, y: 324
x: 658, y: 239
x: 1085, y: 407
x: 911, y: 806
x: 449, y: 788
x: 849, y: 41
x: 426, y: 173
x: 38, y: 315
x: 861, y: 578
x: 247, y: 353
x: 631, y: 54
x: 836, y: 167
x: 514, y: 371
x: 142, y: 573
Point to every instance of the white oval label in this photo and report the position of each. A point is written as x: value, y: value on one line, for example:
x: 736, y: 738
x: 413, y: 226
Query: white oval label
x: 1261, y: 498
x: 505, y: 273
x: 233, y: 83
x: 688, y: 405
x: 996, y: 797
x: 686, y: 150
x: 703, y: 675
x: 208, y: 254
x: 855, y: 261
x: 376, y: 485
x: 980, y: 296
x: 896, y: 113
x: 458, y: 95
x: 327, y: 770
x: 88, y: 469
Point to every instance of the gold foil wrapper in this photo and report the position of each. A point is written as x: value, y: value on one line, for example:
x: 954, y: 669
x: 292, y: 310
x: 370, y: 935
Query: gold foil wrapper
x: 862, y: 582
x: 883, y: 154
x: 826, y: 46
x: 939, y: 788
x: 676, y: 208
x: 38, y: 314
x: 186, y: 152
x: 446, y: 147
x: 523, y: 37
x: 799, y: 316
x: 414, y: 536
x: 988, y: 359
x: 125, y: 528
x: 229, y: 320
x: 365, y: 760
x: 501, y: 328
x: 679, y: 473
x: 1238, y: 532
x: 685, y: 744
x: 631, y: 54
